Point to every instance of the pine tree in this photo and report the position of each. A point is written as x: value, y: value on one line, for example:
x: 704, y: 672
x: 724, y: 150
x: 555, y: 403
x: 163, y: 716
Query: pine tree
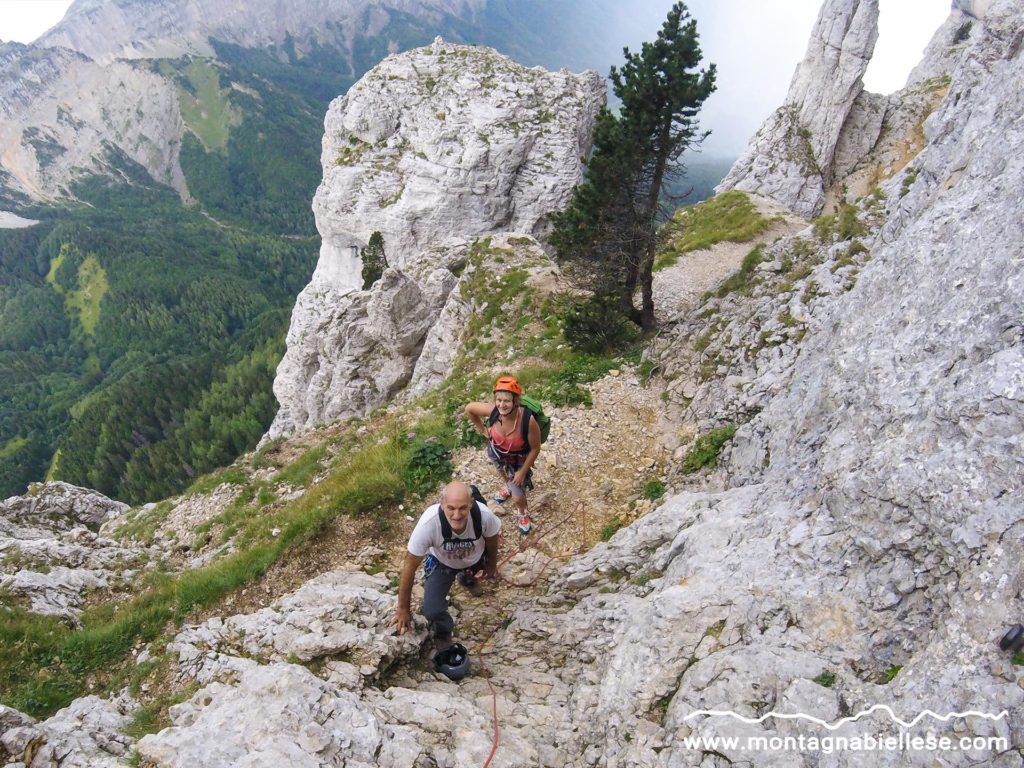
x: 611, y: 223
x: 374, y: 261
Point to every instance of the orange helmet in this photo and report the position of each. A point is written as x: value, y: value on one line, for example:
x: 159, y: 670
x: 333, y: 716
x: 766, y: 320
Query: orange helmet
x: 508, y: 384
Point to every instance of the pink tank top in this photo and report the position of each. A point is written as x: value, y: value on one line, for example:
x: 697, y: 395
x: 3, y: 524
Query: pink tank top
x: 513, y: 443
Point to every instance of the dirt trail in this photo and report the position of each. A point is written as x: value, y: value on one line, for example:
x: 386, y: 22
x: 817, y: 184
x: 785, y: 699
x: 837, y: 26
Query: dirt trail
x: 591, y: 474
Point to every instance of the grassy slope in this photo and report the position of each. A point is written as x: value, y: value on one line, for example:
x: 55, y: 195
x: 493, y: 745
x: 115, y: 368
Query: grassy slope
x: 729, y: 216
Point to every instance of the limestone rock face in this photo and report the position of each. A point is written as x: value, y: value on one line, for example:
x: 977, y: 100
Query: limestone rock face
x: 443, y: 141
x: 947, y: 46
x: 283, y: 714
x: 432, y: 148
x: 340, y: 612
x: 85, y: 734
x: 876, y: 476
x: 62, y: 115
x: 350, y: 352
x: 51, y: 553
x: 254, y: 703
x: 791, y: 157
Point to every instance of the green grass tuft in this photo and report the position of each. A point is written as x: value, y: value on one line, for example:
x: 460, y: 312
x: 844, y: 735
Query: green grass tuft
x: 612, y: 528
x: 826, y: 679
x: 704, y: 452
x: 742, y: 280
x: 726, y: 217
x: 890, y: 674
x: 654, y: 490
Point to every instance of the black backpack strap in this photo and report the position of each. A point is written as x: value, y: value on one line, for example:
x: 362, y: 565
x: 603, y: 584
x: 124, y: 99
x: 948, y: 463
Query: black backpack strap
x: 446, y: 527
x: 476, y: 517
x: 475, y: 493
x: 493, y: 417
x: 527, y: 415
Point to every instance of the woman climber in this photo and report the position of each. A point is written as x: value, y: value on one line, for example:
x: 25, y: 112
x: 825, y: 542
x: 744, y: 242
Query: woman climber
x: 514, y: 440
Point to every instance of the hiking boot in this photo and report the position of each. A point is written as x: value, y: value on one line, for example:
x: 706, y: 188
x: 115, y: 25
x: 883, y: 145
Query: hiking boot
x: 470, y: 582
x: 523, y: 524
x: 503, y: 495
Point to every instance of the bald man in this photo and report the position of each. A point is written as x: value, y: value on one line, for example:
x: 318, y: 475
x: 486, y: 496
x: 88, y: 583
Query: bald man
x: 458, y: 538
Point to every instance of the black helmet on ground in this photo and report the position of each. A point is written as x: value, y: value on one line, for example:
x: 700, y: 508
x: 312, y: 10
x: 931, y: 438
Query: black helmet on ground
x: 1013, y: 640
x: 452, y: 662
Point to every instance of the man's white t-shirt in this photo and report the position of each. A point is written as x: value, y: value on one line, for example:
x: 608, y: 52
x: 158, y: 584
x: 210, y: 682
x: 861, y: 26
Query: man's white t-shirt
x: 427, y: 538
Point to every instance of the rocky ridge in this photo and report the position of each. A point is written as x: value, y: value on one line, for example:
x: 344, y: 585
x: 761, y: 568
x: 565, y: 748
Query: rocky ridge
x: 433, y: 148
x: 790, y: 158
x: 53, y: 553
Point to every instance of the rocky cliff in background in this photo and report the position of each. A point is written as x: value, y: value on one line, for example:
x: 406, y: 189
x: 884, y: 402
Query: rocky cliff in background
x: 106, y: 30
x: 432, y: 148
x: 63, y: 115
x: 833, y: 140
x: 791, y: 157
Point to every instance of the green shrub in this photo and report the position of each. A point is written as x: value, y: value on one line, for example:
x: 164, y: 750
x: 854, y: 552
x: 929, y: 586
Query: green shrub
x: 430, y: 463
x: 564, y: 386
x: 741, y: 280
x: 908, y: 181
x: 704, y: 452
x: 597, y: 324
x: 890, y: 674
x: 654, y: 490
x: 612, y: 528
x: 374, y: 260
x: 848, y: 225
x: 843, y: 222
x: 856, y: 248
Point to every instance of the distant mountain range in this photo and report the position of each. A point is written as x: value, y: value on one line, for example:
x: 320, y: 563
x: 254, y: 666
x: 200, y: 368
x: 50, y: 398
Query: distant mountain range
x: 170, y: 150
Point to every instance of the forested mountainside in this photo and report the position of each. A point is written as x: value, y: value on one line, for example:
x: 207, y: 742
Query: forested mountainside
x: 128, y: 314
x: 142, y: 319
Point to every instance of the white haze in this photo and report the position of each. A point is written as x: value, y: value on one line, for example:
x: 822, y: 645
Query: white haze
x: 756, y: 46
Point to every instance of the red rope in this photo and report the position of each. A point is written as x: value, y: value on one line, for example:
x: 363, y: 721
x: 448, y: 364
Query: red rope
x: 496, y: 740
x: 523, y: 545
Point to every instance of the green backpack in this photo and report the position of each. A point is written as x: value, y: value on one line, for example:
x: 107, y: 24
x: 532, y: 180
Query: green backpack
x: 532, y: 408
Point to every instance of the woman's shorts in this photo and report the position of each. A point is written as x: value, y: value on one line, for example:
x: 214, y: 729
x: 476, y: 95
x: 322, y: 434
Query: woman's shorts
x: 508, y: 466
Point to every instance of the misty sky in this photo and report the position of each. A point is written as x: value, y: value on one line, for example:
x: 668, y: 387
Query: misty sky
x: 756, y: 46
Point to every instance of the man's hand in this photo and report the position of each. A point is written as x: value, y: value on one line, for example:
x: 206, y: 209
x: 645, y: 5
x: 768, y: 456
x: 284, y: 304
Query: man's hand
x: 491, y: 570
x: 402, y: 619
x: 403, y: 616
